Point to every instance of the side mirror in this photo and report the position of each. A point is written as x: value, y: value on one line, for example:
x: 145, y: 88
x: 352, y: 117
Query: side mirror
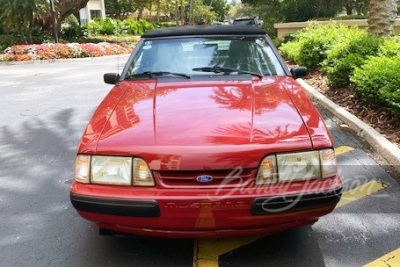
x: 111, y: 78
x: 298, y: 72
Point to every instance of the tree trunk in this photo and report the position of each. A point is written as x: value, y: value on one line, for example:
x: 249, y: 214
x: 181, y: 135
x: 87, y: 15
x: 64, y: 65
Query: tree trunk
x: 349, y: 8
x: 140, y: 14
x: 176, y: 13
x: 318, y: 9
x: 21, y: 31
x: 158, y: 10
x: 382, y: 17
x: 151, y: 9
x: 182, y: 14
x: 30, y: 30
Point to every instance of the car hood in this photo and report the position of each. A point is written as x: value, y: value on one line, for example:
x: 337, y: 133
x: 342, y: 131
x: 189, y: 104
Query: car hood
x: 216, y: 122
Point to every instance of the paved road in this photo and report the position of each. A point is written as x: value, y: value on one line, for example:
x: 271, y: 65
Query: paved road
x: 44, y: 110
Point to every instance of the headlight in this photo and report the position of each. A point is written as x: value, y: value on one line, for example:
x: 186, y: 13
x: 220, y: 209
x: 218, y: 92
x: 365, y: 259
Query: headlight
x: 297, y: 167
x: 113, y: 171
x: 82, y: 167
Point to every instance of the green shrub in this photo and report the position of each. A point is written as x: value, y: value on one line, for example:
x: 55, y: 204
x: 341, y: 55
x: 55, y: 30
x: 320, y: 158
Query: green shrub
x: 72, y: 31
x: 277, y: 42
x: 351, y: 52
x: 103, y: 27
x: 117, y: 27
x: 6, y: 40
x: 310, y: 45
x: 165, y: 24
x: 291, y: 50
x: 126, y: 39
x: 390, y: 47
x: 339, y: 75
x: 71, y: 20
x: 289, y: 37
x: 378, y: 82
x: 145, y: 25
x: 131, y: 27
x: 354, y: 42
x: 348, y: 17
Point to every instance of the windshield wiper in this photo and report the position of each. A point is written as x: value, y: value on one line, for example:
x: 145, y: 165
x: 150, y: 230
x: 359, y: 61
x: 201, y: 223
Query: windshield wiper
x: 156, y: 73
x: 219, y: 69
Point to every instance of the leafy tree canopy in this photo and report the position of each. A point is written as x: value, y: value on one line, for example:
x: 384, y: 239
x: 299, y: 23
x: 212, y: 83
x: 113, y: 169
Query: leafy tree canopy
x: 219, y: 7
x: 120, y: 9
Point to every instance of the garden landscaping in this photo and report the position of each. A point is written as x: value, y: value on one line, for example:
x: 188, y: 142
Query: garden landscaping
x: 56, y: 51
x: 356, y: 71
x: 95, y: 39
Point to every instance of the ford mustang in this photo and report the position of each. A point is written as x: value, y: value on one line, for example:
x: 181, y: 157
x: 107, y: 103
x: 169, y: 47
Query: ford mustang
x: 205, y: 133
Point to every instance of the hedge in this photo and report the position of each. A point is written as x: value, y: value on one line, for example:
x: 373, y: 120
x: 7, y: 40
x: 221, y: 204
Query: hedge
x: 119, y: 27
x: 378, y: 82
x: 348, y: 54
x: 309, y: 46
x: 350, y: 57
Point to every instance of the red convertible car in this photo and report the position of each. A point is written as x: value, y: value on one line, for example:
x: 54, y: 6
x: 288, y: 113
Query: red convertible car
x: 206, y: 133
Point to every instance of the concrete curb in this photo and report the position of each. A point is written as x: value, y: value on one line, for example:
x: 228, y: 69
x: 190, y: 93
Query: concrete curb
x: 389, y: 151
x: 63, y: 60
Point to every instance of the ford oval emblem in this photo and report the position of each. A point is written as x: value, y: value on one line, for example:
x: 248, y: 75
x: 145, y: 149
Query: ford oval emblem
x: 204, y: 178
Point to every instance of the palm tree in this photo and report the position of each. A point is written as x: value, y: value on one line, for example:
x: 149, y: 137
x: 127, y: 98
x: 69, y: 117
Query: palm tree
x: 382, y: 17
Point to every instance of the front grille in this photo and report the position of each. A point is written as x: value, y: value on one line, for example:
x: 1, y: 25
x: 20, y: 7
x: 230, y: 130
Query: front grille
x: 187, y: 179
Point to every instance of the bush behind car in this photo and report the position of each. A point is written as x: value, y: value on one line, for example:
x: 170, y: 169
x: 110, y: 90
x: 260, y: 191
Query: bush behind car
x: 351, y: 56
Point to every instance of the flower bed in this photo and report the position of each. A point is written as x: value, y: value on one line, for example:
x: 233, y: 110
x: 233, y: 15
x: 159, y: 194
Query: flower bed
x: 56, y: 51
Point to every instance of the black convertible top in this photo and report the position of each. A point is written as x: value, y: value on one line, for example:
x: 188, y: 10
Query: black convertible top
x: 205, y: 30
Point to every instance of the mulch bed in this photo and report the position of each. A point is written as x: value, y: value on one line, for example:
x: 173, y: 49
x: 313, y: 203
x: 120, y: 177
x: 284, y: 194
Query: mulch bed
x: 377, y: 117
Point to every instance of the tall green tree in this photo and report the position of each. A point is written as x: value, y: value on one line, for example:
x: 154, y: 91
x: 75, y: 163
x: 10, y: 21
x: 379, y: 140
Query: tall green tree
x: 202, y: 13
x: 63, y: 9
x: 219, y: 7
x: 140, y: 5
x: 119, y: 9
x: 22, y: 16
x: 382, y: 17
x: 303, y: 10
x: 238, y: 9
x: 273, y: 11
x: 360, y: 7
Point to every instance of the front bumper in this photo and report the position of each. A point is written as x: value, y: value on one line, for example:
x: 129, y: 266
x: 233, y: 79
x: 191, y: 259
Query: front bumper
x: 203, y: 213
x: 118, y: 207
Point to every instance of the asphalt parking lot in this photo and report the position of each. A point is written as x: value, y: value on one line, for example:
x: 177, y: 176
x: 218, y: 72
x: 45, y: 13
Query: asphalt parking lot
x: 44, y: 110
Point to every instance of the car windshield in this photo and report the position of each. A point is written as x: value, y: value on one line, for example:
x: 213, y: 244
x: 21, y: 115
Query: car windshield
x: 190, y: 55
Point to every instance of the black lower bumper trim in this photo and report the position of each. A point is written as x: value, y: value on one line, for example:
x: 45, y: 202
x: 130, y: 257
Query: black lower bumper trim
x: 119, y: 207
x: 286, y: 204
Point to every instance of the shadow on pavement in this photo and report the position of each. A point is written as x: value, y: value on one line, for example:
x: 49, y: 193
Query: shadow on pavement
x: 296, y: 247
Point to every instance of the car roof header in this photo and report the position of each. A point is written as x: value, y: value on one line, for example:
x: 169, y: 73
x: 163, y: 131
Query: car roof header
x: 205, y: 30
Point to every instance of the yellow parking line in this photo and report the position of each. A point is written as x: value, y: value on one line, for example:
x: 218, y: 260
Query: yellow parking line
x: 207, y: 251
x: 360, y: 192
x: 391, y: 259
x: 343, y: 150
